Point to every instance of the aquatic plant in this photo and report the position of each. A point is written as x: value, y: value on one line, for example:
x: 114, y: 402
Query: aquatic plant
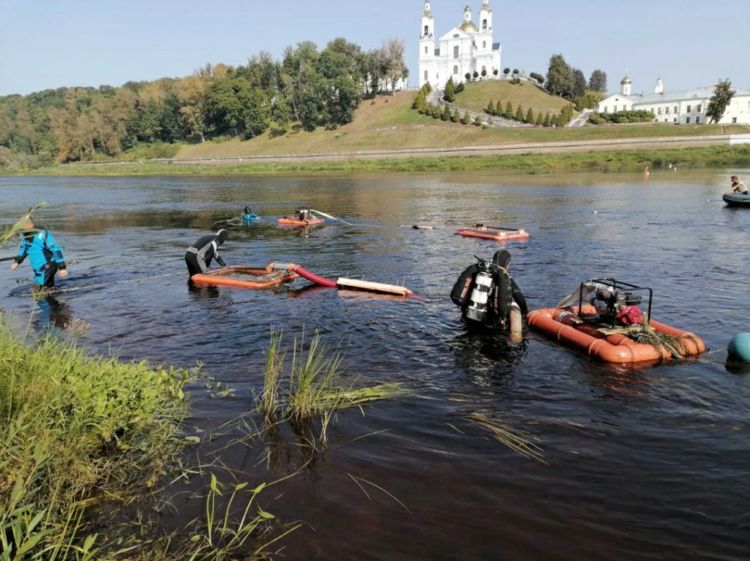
x: 315, y: 389
x: 508, y: 436
x: 11, y: 231
x: 75, y: 431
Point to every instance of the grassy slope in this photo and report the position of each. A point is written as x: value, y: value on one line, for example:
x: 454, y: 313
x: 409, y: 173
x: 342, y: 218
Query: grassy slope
x: 389, y: 123
x: 477, y: 95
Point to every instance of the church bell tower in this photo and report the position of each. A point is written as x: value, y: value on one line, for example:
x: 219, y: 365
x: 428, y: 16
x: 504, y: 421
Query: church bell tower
x: 426, y: 45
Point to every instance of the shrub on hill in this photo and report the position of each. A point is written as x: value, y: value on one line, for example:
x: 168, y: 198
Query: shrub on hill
x: 638, y: 116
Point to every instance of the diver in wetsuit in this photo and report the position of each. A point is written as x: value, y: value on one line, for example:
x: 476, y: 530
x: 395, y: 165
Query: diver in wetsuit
x: 501, y: 293
x: 199, y: 255
x: 248, y: 216
x: 44, y: 253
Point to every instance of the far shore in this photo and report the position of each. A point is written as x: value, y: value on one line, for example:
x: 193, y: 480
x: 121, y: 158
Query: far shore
x: 511, y: 160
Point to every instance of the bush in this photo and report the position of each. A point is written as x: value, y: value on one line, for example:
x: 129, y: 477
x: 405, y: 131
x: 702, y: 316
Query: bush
x: 639, y: 116
x: 508, y: 114
x: 468, y: 76
x: 466, y: 119
x: 491, y: 108
x: 596, y: 119
x: 536, y: 76
x: 446, y: 114
x: 530, y: 116
x: 460, y: 87
x: 477, y: 121
x: 519, y: 114
x: 455, y: 116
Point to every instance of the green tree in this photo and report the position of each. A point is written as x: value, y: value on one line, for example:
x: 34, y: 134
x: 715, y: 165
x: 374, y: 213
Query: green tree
x: 508, y: 110
x: 499, y: 108
x: 477, y: 121
x: 598, y: 81
x: 446, y: 114
x: 579, y: 84
x: 519, y: 114
x: 455, y: 116
x: 539, y: 120
x: 450, y: 91
x: 720, y: 100
x: 529, y: 116
x: 506, y: 71
x: 466, y: 119
x: 491, y: 107
x: 559, y: 77
x: 547, y: 121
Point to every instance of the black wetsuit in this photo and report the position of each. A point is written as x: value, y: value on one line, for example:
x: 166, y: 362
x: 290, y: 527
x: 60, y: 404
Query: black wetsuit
x: 199, y: 255
x: 505, y: 292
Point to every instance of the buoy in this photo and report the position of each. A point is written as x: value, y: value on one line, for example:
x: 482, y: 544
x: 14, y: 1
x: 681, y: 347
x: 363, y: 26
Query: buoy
x: 739, y: 348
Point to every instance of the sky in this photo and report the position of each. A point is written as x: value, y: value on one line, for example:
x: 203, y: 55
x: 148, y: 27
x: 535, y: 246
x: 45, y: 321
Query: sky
x: 53, y: 43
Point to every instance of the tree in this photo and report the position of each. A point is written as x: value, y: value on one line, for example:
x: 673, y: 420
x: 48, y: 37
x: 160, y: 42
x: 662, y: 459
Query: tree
x: 579, y: 84
x: 559, y: 77
x: 508, y: 110
x: 717, y: 105
x: 466, y: 119
x: 477, y: 121
x: 499, y: 108
x: 598, y: 81
x: 519, y: 113
x: 446, y: 114
x: 450, y: 91
x: 393, y: 56
x: 484, y: 72
x: 468, y: 76
x: 476, y: 74
x: 491, y: 107
x: 506, y: 71
x: 455, y: 116
x: 589, y: 100
x: 539, y: 120
x: 529, y: 116
x: 495, y: 72
x: 536, y: 76
x: 547, y: 121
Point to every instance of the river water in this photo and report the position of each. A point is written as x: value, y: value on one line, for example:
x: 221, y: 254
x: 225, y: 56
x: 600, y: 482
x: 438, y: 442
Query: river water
x: 640, y: 464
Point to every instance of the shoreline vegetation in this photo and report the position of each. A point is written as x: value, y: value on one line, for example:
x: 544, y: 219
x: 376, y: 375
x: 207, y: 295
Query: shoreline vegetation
x: 77, y: 434
x: 531, y: 164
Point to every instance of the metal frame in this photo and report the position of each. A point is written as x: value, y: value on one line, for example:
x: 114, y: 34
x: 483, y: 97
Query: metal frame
x: 618, y: 285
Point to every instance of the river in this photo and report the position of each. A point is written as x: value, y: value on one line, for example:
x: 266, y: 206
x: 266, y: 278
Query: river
x: 647, y: 464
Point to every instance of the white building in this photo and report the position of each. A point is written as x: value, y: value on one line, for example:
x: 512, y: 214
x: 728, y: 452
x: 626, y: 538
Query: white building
x: 680, y: 108
x: 465, y: 49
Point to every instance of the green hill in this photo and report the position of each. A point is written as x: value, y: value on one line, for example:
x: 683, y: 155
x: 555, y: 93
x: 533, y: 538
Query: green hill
x: 476, y: 96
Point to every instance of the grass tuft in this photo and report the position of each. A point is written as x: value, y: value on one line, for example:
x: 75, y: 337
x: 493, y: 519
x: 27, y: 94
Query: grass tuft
x: 510, y: 437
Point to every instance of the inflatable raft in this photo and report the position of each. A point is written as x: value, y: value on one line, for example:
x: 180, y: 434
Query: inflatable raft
x: 614, y: 345
x: 290, y: 221
x: 736, y: 199
x: 493, y: 233
x: 245, y: 277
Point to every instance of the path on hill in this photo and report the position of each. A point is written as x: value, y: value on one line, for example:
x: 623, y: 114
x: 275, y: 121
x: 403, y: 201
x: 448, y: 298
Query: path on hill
x: 600, y: 145
x: 581, y: 119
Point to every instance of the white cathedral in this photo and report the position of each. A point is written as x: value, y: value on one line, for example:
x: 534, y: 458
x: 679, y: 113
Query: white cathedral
x: 465, y: 49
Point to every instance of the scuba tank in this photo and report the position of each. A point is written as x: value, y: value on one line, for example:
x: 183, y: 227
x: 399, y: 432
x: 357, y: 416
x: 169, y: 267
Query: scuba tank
x: 480, y: 295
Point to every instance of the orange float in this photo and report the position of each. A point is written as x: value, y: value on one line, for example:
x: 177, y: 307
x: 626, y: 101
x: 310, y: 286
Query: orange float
x: 564, y: 325
x: 289, y: 221
x: 493, y: 233
x: 245, y: 277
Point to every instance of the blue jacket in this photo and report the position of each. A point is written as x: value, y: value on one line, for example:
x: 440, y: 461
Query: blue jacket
x: 248, y: 218
x: 41, y: 248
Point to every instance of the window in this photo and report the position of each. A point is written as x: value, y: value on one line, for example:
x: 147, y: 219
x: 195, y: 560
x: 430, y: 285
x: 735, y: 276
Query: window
x: 734, y: 120
x: 455, y: 51
x: 606, y: 109
x: 426, y: 76
x: 426, y: 50
x: 676, y: 109
x: 667, y: 111
x: 687, y: 120
x: 455, y: 70
x: 689, y: 108
x: 675, y: 121
x: 659, y: 111
x: 699, y: 108
x: 426, y: 29
x: 455, y: 36
x: 484, y: 25
x: 484, y: 44
x: 697, y: 120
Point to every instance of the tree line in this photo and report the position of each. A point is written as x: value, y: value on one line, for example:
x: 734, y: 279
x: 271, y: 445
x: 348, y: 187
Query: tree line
x: 308, y: 88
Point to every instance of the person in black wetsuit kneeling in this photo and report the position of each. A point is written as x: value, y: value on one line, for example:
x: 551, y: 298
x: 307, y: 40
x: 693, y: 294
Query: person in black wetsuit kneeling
x: 487, y: 294
x: 199, y: 255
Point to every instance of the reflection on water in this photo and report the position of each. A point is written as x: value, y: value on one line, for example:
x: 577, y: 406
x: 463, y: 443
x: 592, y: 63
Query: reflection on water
x: 646, y: 463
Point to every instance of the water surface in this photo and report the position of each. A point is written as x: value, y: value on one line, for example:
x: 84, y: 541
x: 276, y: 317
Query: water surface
x: 642, y: 464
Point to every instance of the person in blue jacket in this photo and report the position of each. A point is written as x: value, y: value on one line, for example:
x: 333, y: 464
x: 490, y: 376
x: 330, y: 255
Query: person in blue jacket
x: 248, y: 216
x: 44, y: 253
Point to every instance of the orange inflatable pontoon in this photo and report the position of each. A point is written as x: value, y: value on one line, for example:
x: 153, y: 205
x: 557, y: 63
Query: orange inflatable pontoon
x: 566, y: 326
x: 289, y: 221
x: 493, y: 233
x: 245, y: 277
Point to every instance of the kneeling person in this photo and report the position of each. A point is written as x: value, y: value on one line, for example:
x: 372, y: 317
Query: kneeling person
x: 199, y: 255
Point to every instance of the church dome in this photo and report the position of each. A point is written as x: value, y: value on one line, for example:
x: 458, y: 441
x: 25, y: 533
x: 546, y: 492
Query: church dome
x: 469, y: 27
x: 625, y: 80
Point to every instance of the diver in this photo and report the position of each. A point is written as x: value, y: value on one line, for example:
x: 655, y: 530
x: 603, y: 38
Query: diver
x: 199, y: 255
x: 489, y: 296
x: 44, y: 253
x: 248, y: 216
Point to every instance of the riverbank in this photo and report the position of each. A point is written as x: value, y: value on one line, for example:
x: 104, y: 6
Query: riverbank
x: 77, y: 433
x: 609, y: 161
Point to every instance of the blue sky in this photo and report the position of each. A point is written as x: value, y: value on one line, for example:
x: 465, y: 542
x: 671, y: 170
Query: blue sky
x: 53, y: 43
